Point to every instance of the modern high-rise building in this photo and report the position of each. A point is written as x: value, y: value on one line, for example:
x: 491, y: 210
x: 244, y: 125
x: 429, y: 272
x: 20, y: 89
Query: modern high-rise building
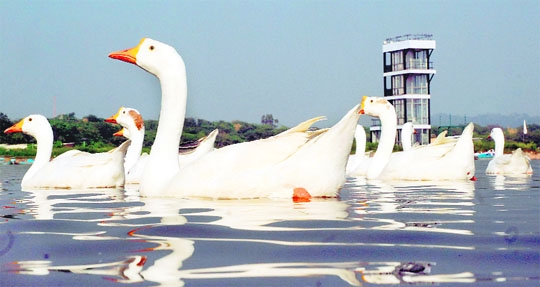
x: 407, y: 76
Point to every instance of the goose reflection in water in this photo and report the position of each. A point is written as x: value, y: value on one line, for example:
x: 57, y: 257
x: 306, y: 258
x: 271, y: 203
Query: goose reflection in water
x: 413, y: 197
x: 46, y: 204
x: 163, y: 261
x: 513, y: 182
x: 168, y: 270
x: 252, y: 215
x: 68, y: 205
x: 127, y: 270
x: 236, y: 214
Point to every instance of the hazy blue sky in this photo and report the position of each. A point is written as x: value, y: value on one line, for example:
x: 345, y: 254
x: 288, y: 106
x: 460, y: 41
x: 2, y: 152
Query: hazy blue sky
x: 294, y: 59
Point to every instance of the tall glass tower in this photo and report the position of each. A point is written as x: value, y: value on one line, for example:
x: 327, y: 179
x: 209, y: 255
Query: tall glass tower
x: 407, y: 76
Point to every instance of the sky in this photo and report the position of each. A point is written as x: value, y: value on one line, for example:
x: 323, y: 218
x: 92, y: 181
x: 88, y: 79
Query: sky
x: 292, y: 59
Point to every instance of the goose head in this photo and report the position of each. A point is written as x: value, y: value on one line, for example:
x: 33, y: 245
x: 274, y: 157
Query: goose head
x: 33, y: 125
x: 151, y: 55
x: 409, y: 128
x: 407, y: 131
x: 497, y: 134
x: 130, y: 119
x: 375, y: 106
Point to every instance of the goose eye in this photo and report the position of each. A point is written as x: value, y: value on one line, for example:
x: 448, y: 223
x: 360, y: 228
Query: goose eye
x: 151, y: 48
x: 123, y: 112
x: 468, y: 172
x: 371, y: 101
x: 29, y: 119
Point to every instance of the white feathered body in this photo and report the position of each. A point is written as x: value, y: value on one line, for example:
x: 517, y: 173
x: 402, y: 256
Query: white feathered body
x: 80, y: 170
x: 270, y: 168
x: 507, y: 164
x: 448, y: 161
x: 510, y: 164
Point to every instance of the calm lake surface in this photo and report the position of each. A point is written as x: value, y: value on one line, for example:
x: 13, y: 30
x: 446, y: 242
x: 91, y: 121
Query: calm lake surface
x: 483, y: 233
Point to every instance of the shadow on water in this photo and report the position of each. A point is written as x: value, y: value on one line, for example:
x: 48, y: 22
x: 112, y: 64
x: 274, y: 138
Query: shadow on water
x: 376, y: 233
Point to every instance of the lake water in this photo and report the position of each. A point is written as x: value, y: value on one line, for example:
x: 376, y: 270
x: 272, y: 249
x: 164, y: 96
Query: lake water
x: 484, y: 233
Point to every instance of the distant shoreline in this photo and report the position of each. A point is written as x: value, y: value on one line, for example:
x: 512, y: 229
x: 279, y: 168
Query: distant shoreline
x: 533, y: 155
x: 6, y: 160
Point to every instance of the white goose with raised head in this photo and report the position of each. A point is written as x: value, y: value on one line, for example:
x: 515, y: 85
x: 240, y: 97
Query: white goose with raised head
x: 133, y: 128
x: 507, y: 164
x: 448, y: 161
x: 72, y: 169
x: 407, y: 130
x: 293, y: 163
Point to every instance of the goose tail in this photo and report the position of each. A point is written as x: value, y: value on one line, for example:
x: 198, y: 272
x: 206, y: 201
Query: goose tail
x: 121, y: 148
x: 466, y: 135
x: 303, y: 126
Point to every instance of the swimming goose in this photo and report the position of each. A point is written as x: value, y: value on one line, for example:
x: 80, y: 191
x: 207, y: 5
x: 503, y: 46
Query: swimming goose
x: 407, y: 130
x: 359, y: 163
x: 432, y: 162
x: 72, y: 169
x: 133, y: 128
x: 279, y: 166
x: 316, y: 169
x: 507, y: 164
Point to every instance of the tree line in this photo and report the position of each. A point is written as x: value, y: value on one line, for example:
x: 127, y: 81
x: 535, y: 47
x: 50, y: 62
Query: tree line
x: 92, y: 134
x: 514, y: 137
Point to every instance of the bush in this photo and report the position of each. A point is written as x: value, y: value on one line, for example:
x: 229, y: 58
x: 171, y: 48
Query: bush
x: 94, y: 135
x: 29, y: 151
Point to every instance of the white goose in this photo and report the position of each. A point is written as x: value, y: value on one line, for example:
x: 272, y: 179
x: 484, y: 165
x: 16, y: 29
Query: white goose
x: 72, y: 169
x: 432, y: 162
x: 407, y: 130
x: 293, y: 163
x: 133, y: 128
x: 358, y: 164
x: 507, y: 164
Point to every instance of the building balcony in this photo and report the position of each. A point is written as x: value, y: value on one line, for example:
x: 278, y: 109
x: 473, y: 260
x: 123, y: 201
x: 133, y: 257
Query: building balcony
x: 416, y: 64
x: 414, y: 92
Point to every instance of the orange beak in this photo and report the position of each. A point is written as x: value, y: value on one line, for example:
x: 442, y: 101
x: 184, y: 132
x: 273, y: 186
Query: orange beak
x: 473, y: 178
x: 112, y: 119
x: 119, y: 133
x: 129, y: 55
x: 362, y: 105
x: 16, y: 128
x: 414, y: 132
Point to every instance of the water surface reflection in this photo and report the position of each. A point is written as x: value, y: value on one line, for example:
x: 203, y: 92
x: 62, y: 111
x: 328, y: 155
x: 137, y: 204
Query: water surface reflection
x: 376, y: 233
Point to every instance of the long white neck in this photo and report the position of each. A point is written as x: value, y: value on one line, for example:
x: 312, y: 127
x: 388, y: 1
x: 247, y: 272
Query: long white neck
x: 44, y: 138
x: 163, y: 160
x: 499, y: 145
x: 134, y: 151
x: 360, y: 138
x: 406, y: 135
x: 386, y: 143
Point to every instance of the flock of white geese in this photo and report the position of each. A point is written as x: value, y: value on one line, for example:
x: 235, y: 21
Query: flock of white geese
x: 297, y: 163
